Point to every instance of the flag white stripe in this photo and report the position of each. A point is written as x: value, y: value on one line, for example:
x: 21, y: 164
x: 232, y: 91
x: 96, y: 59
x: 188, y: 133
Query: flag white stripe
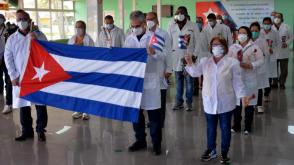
x: 96, y: 93
x: 133, y: 68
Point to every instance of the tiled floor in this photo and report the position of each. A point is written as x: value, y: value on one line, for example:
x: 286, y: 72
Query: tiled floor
x: 105, y: 142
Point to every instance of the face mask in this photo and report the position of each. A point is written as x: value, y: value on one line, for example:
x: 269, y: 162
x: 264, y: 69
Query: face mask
x: 219, y: 21
x: 1, y: 21
x: 150, y: 24
x: 277, y: 20
x: 242, y: 37
x: 180, y: 17
x: 137, y: 31
x: 199, y: 25
x: 272, y: 18
x: 109, y: 26
x: 267, y: 27
x: 23, y: 25
x: 217, y: 51
x: 79, y: 31
x: 211, y: 23
x: 255, y: 35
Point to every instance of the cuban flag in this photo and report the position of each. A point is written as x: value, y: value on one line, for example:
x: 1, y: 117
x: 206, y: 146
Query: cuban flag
x: 182, y: 42
x: 99, y: 81
x: 157, y: 42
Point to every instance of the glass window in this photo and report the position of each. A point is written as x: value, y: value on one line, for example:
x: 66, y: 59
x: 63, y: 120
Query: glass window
x: 33, y: 16
x: 69, y: 24
x: 45, y: 23
x: 57, y: 25
x: 43, y: 4
x: 56, y: 4
x: 68, y: 5
x: 29, y: 4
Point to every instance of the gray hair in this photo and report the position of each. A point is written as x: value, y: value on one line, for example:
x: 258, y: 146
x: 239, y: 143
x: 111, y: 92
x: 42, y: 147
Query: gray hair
x: 139, y: 15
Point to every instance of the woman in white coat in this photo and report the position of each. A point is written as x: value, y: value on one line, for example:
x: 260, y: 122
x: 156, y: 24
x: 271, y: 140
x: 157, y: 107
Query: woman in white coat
x: 284, y: 51
x: 83, y: 39
x: 262, y: 72
x: 222, y: 84
x: 151, y: 92
x: 250, y: 59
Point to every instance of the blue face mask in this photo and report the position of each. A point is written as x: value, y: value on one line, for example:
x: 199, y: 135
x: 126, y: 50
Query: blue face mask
x: 199, y: 25
x: 255, y: 35
x: 267, y: 27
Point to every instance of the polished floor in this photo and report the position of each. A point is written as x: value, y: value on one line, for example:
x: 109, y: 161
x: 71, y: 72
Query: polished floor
x: 105, y: 142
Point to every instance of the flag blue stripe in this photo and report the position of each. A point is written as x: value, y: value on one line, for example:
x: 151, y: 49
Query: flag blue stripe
x: 159, y: 37
x: 86, y: 106
x: 157, y: 47
x: 93, y: 53
x: 130, y: 83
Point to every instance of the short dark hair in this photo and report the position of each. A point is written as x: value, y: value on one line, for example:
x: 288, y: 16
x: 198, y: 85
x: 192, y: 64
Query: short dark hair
x: 108, y: 17
x: 247, y: 31
x: 222, y: 41
x: 211, y: 16
x: 267, y: 19
x: 24, y: 12
x: 184, y: 9
x: 83, y: 23
x: 255, y: 24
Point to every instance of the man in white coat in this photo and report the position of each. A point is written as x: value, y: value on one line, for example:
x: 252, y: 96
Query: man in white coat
x: 184, y: 37
x: 111, y: 35
x: 283, y: 50
x: 151, y: 92
x: 16, y: 52
x: 165, y: 62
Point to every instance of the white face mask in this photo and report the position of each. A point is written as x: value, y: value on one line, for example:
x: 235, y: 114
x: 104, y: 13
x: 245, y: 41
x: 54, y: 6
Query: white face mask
x: 211, y: 23
x: 109, y: 26
x: 137, y: 31
x: 180, y: 17
x: 23, y: 25
x: 277, y: 20
x: 150, y: 24
x: 217, y: 51
x: 218, y: 21
x: 242, y: 37
x: 79, y: 31
x: 1, y: 21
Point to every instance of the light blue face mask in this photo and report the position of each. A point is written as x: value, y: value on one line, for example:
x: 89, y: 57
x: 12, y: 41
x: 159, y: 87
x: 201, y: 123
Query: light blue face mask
x: 267, y: 27
x: 199, y: 25
x: 255, y: 35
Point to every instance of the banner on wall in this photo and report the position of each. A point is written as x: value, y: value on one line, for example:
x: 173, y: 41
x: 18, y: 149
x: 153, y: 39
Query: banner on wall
x: 236, y: 13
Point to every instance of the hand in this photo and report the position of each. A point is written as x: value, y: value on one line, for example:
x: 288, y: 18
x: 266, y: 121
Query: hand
x: 284, y: 45
x: 246, y: 65
x: 15, y: 82
x: 167, y: 75
x: 151, y: 50
x: 271, y: 51
x: 188, y: 59
x: 245, y: 101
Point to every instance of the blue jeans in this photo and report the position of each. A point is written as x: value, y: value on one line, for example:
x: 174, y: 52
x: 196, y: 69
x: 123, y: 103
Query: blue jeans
x: 182, y: 77
x: 225, y: 125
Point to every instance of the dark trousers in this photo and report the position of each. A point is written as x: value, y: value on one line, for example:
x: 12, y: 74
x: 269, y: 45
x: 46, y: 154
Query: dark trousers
x: 184, y: 79
x: 154, y: 124
x: 283, y: 63
x: 249, y: 112
x: 27, y: 121
x: 267, y: 90
x: 163, y: 107
x: 260, y: 96
x: 8, y: 85
x: 225, y: 125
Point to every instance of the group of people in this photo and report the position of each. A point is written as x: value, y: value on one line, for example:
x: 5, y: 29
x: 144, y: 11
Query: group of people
x: 236, y: 67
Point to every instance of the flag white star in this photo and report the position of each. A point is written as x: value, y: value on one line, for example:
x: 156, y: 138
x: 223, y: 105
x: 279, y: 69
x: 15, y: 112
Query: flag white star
x: 40, y: 72
x: 208, y: 12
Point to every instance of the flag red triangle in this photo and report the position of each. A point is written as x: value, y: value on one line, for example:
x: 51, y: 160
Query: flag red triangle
x: 50, y: 71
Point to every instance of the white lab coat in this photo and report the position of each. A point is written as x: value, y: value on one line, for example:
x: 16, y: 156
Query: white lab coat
x: 151, y: 99
x: 284, y: 34
x: 177, y: 53
x: 219, y: 30
x: 222, y: 83
x: 262, y: 71
x: 271, y: 59
x: 2, y: 41
x: 87, y: 41
x: 16, y: 53
x: 114, y: 38
x: 251, y: 54
x: 165, y: 62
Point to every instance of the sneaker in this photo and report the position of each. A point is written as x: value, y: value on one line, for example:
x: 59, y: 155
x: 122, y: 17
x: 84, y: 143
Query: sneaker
x: 137, y: 146
x: 246, y: 132
x: 178, y: 106
x: 209, y: 155
x: 189, y: 107
x: 85, y: 116
x: 156, y: 150
x: 266, y: 98
x: 234, y: 130
x: 77, y: 115
x: 7, y: 109
x: 225, y: 159
x: 260, y: 109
